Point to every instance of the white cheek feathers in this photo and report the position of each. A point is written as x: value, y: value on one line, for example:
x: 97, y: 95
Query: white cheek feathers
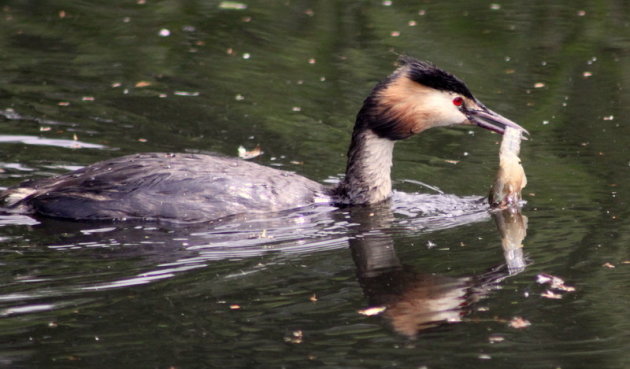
x: 441, y: 110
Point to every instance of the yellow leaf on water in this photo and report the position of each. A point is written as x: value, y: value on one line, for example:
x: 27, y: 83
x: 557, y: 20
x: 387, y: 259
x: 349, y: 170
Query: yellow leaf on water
x: 371, y: 311
x: 141, y: 84
x: 232, y: 5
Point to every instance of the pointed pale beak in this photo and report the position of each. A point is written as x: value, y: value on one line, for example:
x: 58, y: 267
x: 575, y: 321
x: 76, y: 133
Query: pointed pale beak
x: 486, y: 118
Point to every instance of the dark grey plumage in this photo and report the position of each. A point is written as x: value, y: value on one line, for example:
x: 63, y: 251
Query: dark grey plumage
x: 182, y: 187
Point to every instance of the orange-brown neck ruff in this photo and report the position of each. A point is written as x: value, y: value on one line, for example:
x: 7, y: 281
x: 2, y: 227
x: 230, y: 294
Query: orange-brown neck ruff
x: 402, y: 108
x: 411, y: 100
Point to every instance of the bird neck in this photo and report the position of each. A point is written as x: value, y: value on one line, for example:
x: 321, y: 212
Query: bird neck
x: 368, y: 172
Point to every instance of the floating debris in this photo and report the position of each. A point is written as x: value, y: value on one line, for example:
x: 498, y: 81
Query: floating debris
x: 186, y: 93
x: 608, y: 265
x: 313, y: 298
x: 232, y: 5
x: 519, y: 323
x: 295, y: 337
x: 551, y: 295
x: 554, y: 282
x: 141, y: 84
x: 244, y: 154
x: 371, y: 311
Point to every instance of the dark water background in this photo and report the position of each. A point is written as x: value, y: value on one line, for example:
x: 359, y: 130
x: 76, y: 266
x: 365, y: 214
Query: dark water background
x: 82, y: 81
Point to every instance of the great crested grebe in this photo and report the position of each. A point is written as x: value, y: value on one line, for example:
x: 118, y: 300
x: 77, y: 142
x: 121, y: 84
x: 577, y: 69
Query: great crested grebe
x: 190, y: 188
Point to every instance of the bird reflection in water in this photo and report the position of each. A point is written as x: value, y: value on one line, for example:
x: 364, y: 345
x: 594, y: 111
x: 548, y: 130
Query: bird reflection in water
x: 415, y: 301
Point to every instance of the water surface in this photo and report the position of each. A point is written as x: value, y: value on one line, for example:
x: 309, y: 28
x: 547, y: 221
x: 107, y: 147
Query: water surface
x: 86, y: 81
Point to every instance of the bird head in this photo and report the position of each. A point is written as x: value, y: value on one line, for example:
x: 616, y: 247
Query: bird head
x: 419, y: 96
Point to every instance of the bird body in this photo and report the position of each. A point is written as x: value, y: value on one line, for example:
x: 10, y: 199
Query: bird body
x: 144, y: 186
x: 186, y: 187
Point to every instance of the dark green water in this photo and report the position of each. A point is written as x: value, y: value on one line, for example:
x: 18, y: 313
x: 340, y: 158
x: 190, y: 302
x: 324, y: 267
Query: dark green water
x: 124, y: 77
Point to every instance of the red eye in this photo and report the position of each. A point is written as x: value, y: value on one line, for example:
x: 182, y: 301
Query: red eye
x: 458, y: 101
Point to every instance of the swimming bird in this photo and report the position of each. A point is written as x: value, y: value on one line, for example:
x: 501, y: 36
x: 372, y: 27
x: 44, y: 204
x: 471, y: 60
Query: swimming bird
x: 193, y: 188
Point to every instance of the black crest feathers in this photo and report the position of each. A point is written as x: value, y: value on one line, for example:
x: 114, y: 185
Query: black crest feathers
x: 431, y: 76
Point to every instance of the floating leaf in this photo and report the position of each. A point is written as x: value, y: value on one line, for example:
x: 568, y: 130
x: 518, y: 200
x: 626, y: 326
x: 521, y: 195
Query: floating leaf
x: 371, y: 311
x: 551, y: 295
x: 232, y: 5
x: 141, y: 84
x: 244, y: 154
x: 519, y: 323
x: 554, y: 282
x: 295, y: 337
